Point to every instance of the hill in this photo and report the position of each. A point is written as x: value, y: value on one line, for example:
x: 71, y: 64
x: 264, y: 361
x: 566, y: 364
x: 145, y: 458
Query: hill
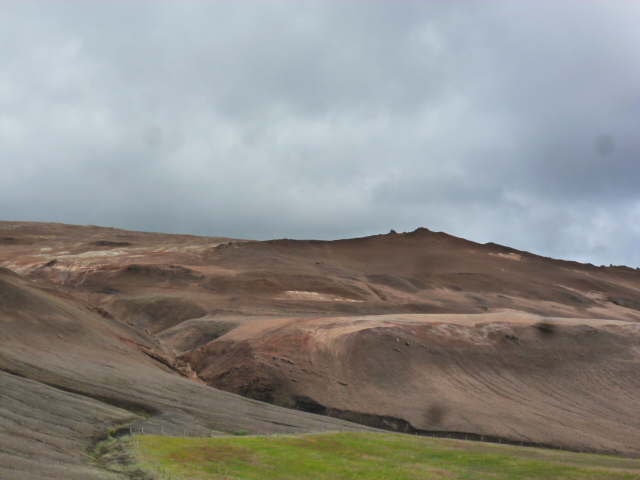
x: 418, y: 332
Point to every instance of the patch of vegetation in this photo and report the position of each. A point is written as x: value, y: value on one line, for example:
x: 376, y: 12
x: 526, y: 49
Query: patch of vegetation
x: 371, y: 456
x: 117, y: 457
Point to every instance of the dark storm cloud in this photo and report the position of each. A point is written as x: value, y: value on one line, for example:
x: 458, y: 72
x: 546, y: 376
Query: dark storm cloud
x: 513, y: 122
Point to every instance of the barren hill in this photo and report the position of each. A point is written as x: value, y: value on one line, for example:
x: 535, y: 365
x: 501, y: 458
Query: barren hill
x: 416, y: 272
x: 417, y: 332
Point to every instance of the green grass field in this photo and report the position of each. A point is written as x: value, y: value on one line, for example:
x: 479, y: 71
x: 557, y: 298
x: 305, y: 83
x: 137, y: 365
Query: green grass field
x: 368, y: 456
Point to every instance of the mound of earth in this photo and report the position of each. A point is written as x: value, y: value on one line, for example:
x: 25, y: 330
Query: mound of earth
x: 569, y: 383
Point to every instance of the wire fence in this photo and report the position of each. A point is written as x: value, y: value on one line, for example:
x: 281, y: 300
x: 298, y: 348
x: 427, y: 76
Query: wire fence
x: 160, y: 471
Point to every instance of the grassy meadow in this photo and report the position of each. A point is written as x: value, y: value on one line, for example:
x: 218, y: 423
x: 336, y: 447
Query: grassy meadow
x: 338, y: 456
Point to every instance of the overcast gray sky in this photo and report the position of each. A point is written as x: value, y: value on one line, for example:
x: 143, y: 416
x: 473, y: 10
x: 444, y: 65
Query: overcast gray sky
x: 513, y: 122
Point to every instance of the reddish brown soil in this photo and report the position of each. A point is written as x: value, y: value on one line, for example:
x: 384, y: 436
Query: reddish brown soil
x: 417, y: 331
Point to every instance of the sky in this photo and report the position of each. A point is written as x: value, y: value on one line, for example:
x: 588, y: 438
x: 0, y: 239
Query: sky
x: 514, y: 122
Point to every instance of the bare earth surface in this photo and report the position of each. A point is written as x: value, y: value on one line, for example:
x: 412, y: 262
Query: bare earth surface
x: 416, y: 332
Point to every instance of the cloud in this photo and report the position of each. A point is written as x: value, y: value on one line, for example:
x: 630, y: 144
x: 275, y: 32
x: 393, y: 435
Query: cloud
x: 510, y: 122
